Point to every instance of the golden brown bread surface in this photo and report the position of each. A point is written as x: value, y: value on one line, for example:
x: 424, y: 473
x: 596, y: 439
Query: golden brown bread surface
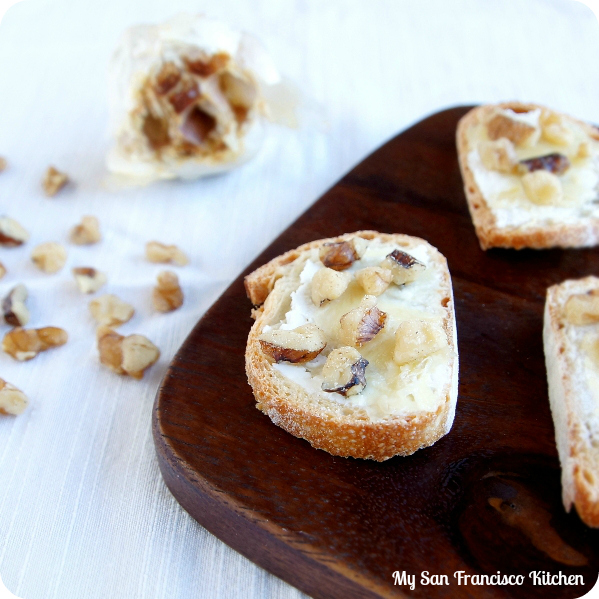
x: 537, y: 232
x: 573, y: 401
x: 337, y: 426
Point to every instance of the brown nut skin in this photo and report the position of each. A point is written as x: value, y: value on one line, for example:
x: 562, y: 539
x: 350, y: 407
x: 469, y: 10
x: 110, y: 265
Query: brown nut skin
x: 352, y: 366
x: 339, y: 255
x: 554, y: 163
x: 14, y: 310
x: 404, y: 267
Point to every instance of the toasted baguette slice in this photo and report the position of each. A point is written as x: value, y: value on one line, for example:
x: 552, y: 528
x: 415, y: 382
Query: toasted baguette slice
x: 546, y: 203
x: 410, y: 393
x: 571, y: 342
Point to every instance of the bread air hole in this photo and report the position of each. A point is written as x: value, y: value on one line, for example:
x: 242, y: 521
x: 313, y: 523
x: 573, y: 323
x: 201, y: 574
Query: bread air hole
x: 156, y: 132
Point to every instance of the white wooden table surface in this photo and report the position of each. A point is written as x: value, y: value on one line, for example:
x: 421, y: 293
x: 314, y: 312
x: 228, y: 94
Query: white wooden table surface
x: 84, y: 512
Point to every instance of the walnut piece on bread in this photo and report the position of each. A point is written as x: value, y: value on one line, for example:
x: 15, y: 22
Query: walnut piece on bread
x: 362, y: 324
x: 344, y: 372
x: 582, y: 308
x: 506, y: 124
x: 346, y: 394
x: 498, y: 155
x: 340, y: 255
x: 131, y: 355
x: 328, y: 285
x: 542, y: 187
x: 12, y: 400
x: 25, y: 344
x: 404, y: 267
x: 415, y: 340
x: 374, y: 279
x: 301, y: 344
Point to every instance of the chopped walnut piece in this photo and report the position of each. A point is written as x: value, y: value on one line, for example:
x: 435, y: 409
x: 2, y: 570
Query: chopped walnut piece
x: 167, y: 295
x: 2, y: 164
x: 362, y: 324
x: 12, y: 233
x: 131, y: 355
x: 417, y: 339
x: 301, y: 344
x: 518, y: 132
x: 555, y: 129
x: 89, y: 280
x: 14, y: 310
x: 340, y: 255
x: 554, y: 163
x: 163, y: 254
x: 584, y: 150
x: 404, y: 267
x: 12, y: 400
x: 49, y: 257
x: 542, y: 187
x: 25, y: 344
x: 111, y: 311
x: 328, y: 285
x: 53, y: 181
x: 498, y: 155
x: 374, y: 279
x: 87, y: 232
x: 2, y: 270
x: 583, y: 308
x: 344, y: 372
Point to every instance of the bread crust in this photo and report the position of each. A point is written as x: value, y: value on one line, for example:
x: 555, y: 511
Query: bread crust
x: 488, y: 233
x: 579, y: 459
x: 326, y: 424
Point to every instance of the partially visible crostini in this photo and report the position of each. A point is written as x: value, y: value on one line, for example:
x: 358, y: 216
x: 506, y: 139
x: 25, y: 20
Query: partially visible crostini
x: 531, y: 176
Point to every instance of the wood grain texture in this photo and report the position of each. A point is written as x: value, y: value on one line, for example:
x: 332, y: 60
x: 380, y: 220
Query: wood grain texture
x: 484, y: 498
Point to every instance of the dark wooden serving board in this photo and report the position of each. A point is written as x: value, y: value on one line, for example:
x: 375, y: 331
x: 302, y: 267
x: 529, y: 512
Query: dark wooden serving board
x: 484, y: 498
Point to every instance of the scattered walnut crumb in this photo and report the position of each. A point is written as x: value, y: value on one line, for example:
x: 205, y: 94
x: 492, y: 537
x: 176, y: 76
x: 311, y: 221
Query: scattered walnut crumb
x: 12, y: 400
x: 167, y: 295
x: 53, y: 181
x: 3, y: 165
x: 49, y: 257
x: 2, y: 270
x: 14, y: 310
x: 87, y: 232
x: 89, y: 280
x: 131, y: 355
x: 12, y: 233
x: 25, y: 344
x: 161, y: 253
x: 111, y: 311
